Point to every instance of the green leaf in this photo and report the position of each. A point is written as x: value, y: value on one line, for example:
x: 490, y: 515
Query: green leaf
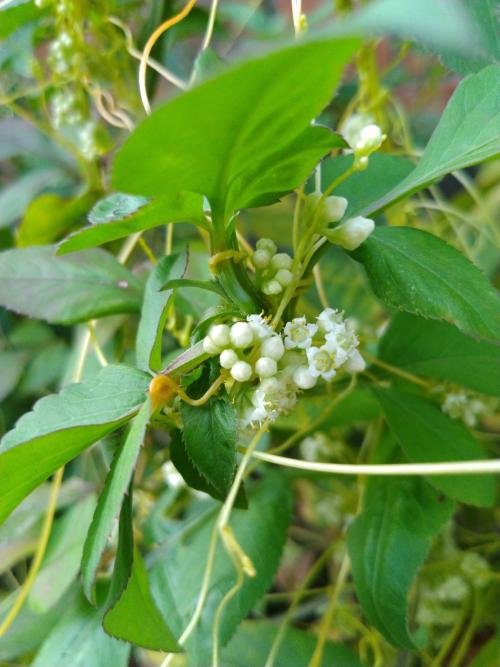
x: 135, y: 617
x: 210, y: 438
x: 37, y: 283
x: 62, y: 559
x: 155, y: 309
x: 178, y: 570
x: 427, y: 435
x: 13, y: 18
x: 111, y: 498
x: 434, y: 349
x: 419, y: 273
x: 192, y: 477
x: 388, y: 542
x: 58, y: 429
x: 79, y: 637
x: 253, y: 640
x: 468, y: 132
x: 250, y: 113
x: 207, y: 285
x: 118, y: 216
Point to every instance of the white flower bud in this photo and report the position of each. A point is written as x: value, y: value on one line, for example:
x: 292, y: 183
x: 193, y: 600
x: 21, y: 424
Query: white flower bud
x: 284, y: 277
x: 261, y: 259
x: 268, y: 245
x: 281, y: 261
x: 272, y: 287
x: 241, y: 334
x: 370, y: 139
x: 219, y: 334
x: 228, y: 358
x: 351, y: 234
x: 323, y: 211
x: 303, y: 378
x: 355, y: 363
x: 334, y: 208
x: 209, y: 346
x: 266, y: 367
x: 241, y: 371
x: 273, y: 348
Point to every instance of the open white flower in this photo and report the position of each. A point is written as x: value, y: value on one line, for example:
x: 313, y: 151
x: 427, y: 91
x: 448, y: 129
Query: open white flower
x: 260, y: 327
x: 342, y: 342
x: 322, y: 361
x: 331, y: 319
x: 299, y: 334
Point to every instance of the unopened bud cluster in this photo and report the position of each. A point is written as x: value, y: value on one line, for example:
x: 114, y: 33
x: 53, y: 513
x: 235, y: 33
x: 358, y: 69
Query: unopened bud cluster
x: 272, y: 268
x: 277, y: 366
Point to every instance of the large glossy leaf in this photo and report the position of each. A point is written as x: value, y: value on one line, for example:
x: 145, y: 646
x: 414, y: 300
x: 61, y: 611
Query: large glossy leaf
x: 427, y: 435
x: 438, y: 350
x: 118, y: 216
x: 62, y: 425
x: 155, y: 311
x: 111, y: 498
x: 91, y: 284
x: 388, y: 542
x: 210, y: 438
x: 468, y: 132
x: 211, y: 139
x: 419, y: 273
x: 178, y: 570
x: 79, y: 640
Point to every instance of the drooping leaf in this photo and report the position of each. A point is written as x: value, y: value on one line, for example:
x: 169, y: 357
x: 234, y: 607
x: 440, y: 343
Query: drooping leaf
x: 111, y: 498
x: 210, y: 438
x: 419, y: 273
x: 178, y: 571
x: 91, y: 284
x: 388, y: 542
x: 119, y: 216
x: 434, y: 349
x: 253, y: 640
x: 154, y: 311
x: 135, y: 617
x: 427, y: 435
x: 467, y: 133
x: 250, y: 112
x: 58, y: 429
x: 78, y: 639
x: 190, y: 474
x: 62, y: 559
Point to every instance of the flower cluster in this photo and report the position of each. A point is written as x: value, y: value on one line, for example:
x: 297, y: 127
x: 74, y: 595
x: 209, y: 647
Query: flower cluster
x: 460, y: 405
x: 364, y: 137
x: 278, y: 366
x: 272, y: 267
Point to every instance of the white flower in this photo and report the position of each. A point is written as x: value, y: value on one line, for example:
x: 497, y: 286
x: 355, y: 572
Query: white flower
x: 261, y: 259
x: 303, y: 378
x: 352, y: 127
x: 331, y: 320
x: 272, y: 397
x: 260, y: 327
x: 370, y: 139
x: 281, y: 261
x: 334, y: 208
x: 284, y: 277
x: 219, y: 333
x: 342, y: 342
x: 459, y: 405
x: 273, y: 348
x: 267, y: 245
x: 323, y: 210
x: 266, y: 367
x: 209, y: 346
x: 351, y: 233
x: 228, y: 358
x: 298, y: 333
x: 322, y: 361
x: 241, y: 371
x: 241, y: 334
x: 272, y: 287
x: 355, y: 363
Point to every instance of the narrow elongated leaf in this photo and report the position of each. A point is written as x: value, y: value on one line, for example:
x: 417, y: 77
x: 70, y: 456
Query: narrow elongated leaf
x: 178, y: 571
x: 111, y: 498
x: 119, y: 216
x: 250, y: 113
x: 388, y: 541
x: 438, y: 350
x: 427, y: 435
x: 419, y: 273
x: 468, y: 132
x: 135, y: 617
x: 34, y: 282
x: 155, y: 311
x: 62, y: 425
x: 210, y: 438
